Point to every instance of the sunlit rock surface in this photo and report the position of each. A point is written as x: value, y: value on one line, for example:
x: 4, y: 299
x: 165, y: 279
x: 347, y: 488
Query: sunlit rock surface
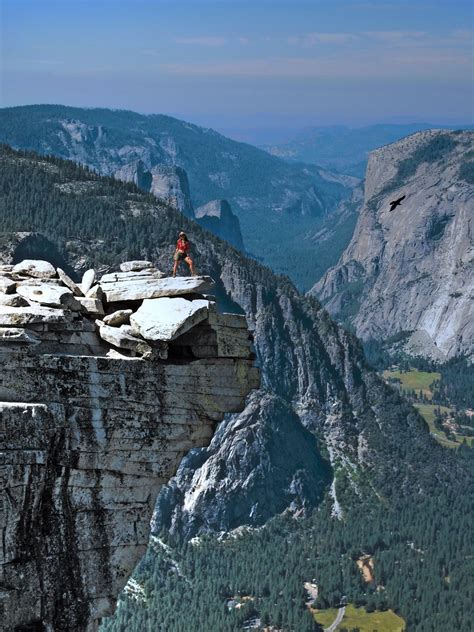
x: 411, y: 270
x: 91, y: 428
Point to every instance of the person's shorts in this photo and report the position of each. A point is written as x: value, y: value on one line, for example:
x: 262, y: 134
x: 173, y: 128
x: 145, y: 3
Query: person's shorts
x: 180, y: 256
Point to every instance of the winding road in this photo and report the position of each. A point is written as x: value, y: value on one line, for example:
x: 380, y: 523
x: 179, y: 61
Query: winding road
x: 337, y: 620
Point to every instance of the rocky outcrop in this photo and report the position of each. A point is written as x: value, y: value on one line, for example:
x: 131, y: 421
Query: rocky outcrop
x: 171, y: 184
x: 94, y: 421
x: 412, y: 269
x: 217, y: 217
x: 168, y: 182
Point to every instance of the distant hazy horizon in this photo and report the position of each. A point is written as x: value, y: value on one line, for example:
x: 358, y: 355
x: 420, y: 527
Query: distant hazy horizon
x: 272, y: 134
x: 240, y: 65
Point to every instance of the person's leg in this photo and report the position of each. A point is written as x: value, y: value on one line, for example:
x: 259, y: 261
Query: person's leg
x: 189, y: 261
x: 175, y: 267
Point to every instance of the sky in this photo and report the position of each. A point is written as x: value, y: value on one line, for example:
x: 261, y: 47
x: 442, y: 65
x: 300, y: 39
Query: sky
x: 238, y: 64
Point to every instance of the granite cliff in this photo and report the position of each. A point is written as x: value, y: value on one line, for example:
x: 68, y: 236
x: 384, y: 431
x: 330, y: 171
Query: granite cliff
x: 411, y: 270
x: 103, y: 388
x: 216, y: 216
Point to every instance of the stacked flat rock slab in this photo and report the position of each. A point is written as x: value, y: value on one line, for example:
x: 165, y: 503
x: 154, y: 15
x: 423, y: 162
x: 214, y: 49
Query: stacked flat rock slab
x: 149, y: 285
x: 89, y: 434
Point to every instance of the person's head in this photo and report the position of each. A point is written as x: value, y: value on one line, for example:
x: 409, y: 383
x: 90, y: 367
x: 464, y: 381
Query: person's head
x: 183, y: 235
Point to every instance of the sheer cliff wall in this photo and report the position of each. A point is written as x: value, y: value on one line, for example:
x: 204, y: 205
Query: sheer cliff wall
x: 88, y: 437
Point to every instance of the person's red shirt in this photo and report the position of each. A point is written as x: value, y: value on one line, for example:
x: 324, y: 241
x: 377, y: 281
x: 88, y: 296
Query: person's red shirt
x: 183, y: 246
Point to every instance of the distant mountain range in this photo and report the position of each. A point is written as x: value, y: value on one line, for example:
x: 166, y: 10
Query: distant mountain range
x: 345, y: 149
x: 278, y: 203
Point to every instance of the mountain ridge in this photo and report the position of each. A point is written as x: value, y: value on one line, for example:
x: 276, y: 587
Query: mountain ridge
x: 269, y: 196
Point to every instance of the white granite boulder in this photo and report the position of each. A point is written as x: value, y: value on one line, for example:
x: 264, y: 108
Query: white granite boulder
x: 118, y: 338
x: 135, y: 266
x: 120, y: 317
x: 7, y: 286
x: 68, y: 282
x: 91, y: 305
x: 88, y: 279
x: 133, y: 275
x: 35, y: 268
x: 95, y: 292
x: 167, y: 318
x: 13, y: 300
x: 33, y: 314
x: 49, y: 295
x: 143, y: 288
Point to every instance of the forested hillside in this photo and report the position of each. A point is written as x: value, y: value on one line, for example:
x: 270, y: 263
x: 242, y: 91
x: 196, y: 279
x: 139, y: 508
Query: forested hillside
x: 325, y: 440
x: 279, y: 205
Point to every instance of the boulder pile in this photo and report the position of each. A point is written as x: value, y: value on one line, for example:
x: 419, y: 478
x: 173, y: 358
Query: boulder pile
x: 134, y: 312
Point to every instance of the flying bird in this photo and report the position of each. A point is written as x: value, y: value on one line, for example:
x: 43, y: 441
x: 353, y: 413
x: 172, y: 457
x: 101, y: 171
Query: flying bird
x: 395, y: 203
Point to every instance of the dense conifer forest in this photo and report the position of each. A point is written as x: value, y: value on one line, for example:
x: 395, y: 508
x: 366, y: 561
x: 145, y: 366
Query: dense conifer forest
x: 423, y: 569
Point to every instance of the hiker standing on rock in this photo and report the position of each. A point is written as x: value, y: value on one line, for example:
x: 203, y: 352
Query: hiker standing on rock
x: 182, y: 253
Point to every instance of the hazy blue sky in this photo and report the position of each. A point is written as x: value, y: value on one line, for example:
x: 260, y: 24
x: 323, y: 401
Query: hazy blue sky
x: 239, y: 63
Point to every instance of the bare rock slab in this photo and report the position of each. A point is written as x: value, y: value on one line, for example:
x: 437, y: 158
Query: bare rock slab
x: 7, y: 286
x: 49, y: 295
x: 68, y: 282
x: 122, y: 340
x: 135, y: 266
x: 148, y: 288
x: 91, y: 305
x: 13, y: 300
x: 20, y: 316
x: 17, y: 335
x: 35, y: 268
x: 88, y: 279
x: 133, y: 275
x: 167, y: 318
x: 95, y: 292
x: 120, y: 317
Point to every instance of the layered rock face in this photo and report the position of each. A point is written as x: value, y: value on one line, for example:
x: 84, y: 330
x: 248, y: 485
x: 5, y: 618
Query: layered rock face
x: 95, y: 419
x: 217, y: 217
x: 412, y: 269
x: 167, y: 182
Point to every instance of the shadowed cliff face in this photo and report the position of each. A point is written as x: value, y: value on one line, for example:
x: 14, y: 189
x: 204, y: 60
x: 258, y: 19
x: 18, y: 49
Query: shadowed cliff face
x: 412, y: 269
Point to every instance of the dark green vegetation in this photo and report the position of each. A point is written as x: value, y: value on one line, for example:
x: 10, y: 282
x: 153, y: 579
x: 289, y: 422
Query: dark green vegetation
x: 422, y: 569
x: 409, y: 495
x: 278, y: 204
x: 442, y: 393
x: 344, y: 149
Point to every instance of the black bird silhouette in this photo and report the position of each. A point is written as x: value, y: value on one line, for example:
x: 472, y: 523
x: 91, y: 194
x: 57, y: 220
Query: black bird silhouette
x: 395, y: 203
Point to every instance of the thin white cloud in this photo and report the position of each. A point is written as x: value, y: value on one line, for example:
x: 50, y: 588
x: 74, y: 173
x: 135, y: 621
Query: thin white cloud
x: 312, y: 39
x: 201, y: 41
x: 465, y: 35
x: 394, y: 36
x: 406, y: 64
